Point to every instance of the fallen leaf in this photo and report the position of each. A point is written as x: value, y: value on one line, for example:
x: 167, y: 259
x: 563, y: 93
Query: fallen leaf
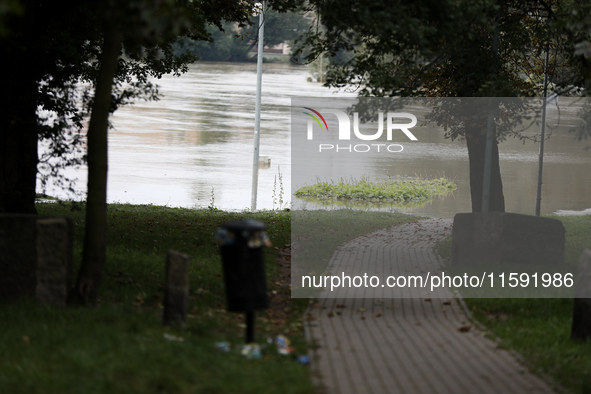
x: 330, y: 314
x: 465, y: 328
x: 446, y: 302
x: 379, y: 314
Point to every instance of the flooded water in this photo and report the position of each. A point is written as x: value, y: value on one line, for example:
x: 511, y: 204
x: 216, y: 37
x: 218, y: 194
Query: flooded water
x: 566, y: 175
x: 193, y: 148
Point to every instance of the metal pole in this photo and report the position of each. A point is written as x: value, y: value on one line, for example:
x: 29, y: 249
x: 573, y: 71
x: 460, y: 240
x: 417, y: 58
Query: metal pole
x: 257, y: 112
x: 321, y: 69
x: 488, y: 158
x: 489, y: 142
x: 542, y: 132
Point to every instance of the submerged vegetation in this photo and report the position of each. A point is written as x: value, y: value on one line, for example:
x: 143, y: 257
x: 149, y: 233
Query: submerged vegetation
x: 405, y: 190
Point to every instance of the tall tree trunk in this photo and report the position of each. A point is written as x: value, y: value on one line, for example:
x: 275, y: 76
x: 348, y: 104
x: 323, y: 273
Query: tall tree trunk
x: 476, y: 141
x: 18, y: 146
x: 95, y: 237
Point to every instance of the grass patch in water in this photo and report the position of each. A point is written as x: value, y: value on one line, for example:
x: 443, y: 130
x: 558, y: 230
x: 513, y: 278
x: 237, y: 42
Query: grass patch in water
x: 392, y: 190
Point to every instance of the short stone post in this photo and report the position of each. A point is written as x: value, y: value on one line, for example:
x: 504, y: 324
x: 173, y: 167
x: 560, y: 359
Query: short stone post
x: 18, y: 256
x: 176, y: 288
x: 35, y: 258
x: 54, y: 260
x: 581, y: 329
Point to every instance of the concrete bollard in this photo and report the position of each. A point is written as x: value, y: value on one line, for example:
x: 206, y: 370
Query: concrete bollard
x: 581, y: 329
x: 35, y: 258
x: 54, y: 260
x: 507, y: 238
x: 18, y: 256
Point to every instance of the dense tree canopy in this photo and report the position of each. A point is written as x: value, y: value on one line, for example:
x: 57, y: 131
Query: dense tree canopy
x: 234, y: 43
x: 55, y: 53
x: 448, y: 48
x: 54, y: 48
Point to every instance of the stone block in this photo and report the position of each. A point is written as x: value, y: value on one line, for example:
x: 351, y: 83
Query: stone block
x: 176, y: 288
x: 581, y: 328
x: 18, y: 256
x: 35, y: 258
x: 54, y: 260
x: 507, y: 238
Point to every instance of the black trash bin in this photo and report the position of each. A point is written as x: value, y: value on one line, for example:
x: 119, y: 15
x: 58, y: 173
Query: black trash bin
x: 241, y: 246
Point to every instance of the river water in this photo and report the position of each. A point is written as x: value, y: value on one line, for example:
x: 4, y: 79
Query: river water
x: 193, y: 148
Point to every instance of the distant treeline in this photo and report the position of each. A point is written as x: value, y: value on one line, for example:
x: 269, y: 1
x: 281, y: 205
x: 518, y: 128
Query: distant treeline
x: 234, y: 43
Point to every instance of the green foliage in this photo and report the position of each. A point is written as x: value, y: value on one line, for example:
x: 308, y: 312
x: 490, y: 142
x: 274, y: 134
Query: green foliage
x: 486, y: 48
x: 233, y: 42
x: 278, y: 192
x: 53, y: 47
x: 226, y: 45
x: 7, y: 8
x: 442, y: 48
x: 394, y: 190
x: 211, y: 205
x: 579, y: 26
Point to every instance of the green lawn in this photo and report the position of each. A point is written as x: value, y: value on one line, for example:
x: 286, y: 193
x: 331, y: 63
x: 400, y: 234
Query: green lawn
x: 539, y: 329
x: 119, y: 346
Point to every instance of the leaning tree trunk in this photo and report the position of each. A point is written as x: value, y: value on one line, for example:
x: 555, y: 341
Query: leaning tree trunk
x: 18, y: 146
x: 95, y: 237
x: 476, y: 141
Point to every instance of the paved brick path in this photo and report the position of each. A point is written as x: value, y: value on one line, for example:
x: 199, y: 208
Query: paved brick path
x: 368, y: 343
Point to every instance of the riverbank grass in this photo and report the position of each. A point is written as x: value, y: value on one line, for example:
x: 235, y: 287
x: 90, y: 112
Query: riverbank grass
x: 539, y: 329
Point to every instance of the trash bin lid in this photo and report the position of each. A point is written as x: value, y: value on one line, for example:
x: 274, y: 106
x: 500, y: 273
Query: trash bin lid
x: 244, y: 225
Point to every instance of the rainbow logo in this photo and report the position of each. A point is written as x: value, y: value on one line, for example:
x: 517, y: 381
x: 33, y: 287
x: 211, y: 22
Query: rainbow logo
x: 315, y: 118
